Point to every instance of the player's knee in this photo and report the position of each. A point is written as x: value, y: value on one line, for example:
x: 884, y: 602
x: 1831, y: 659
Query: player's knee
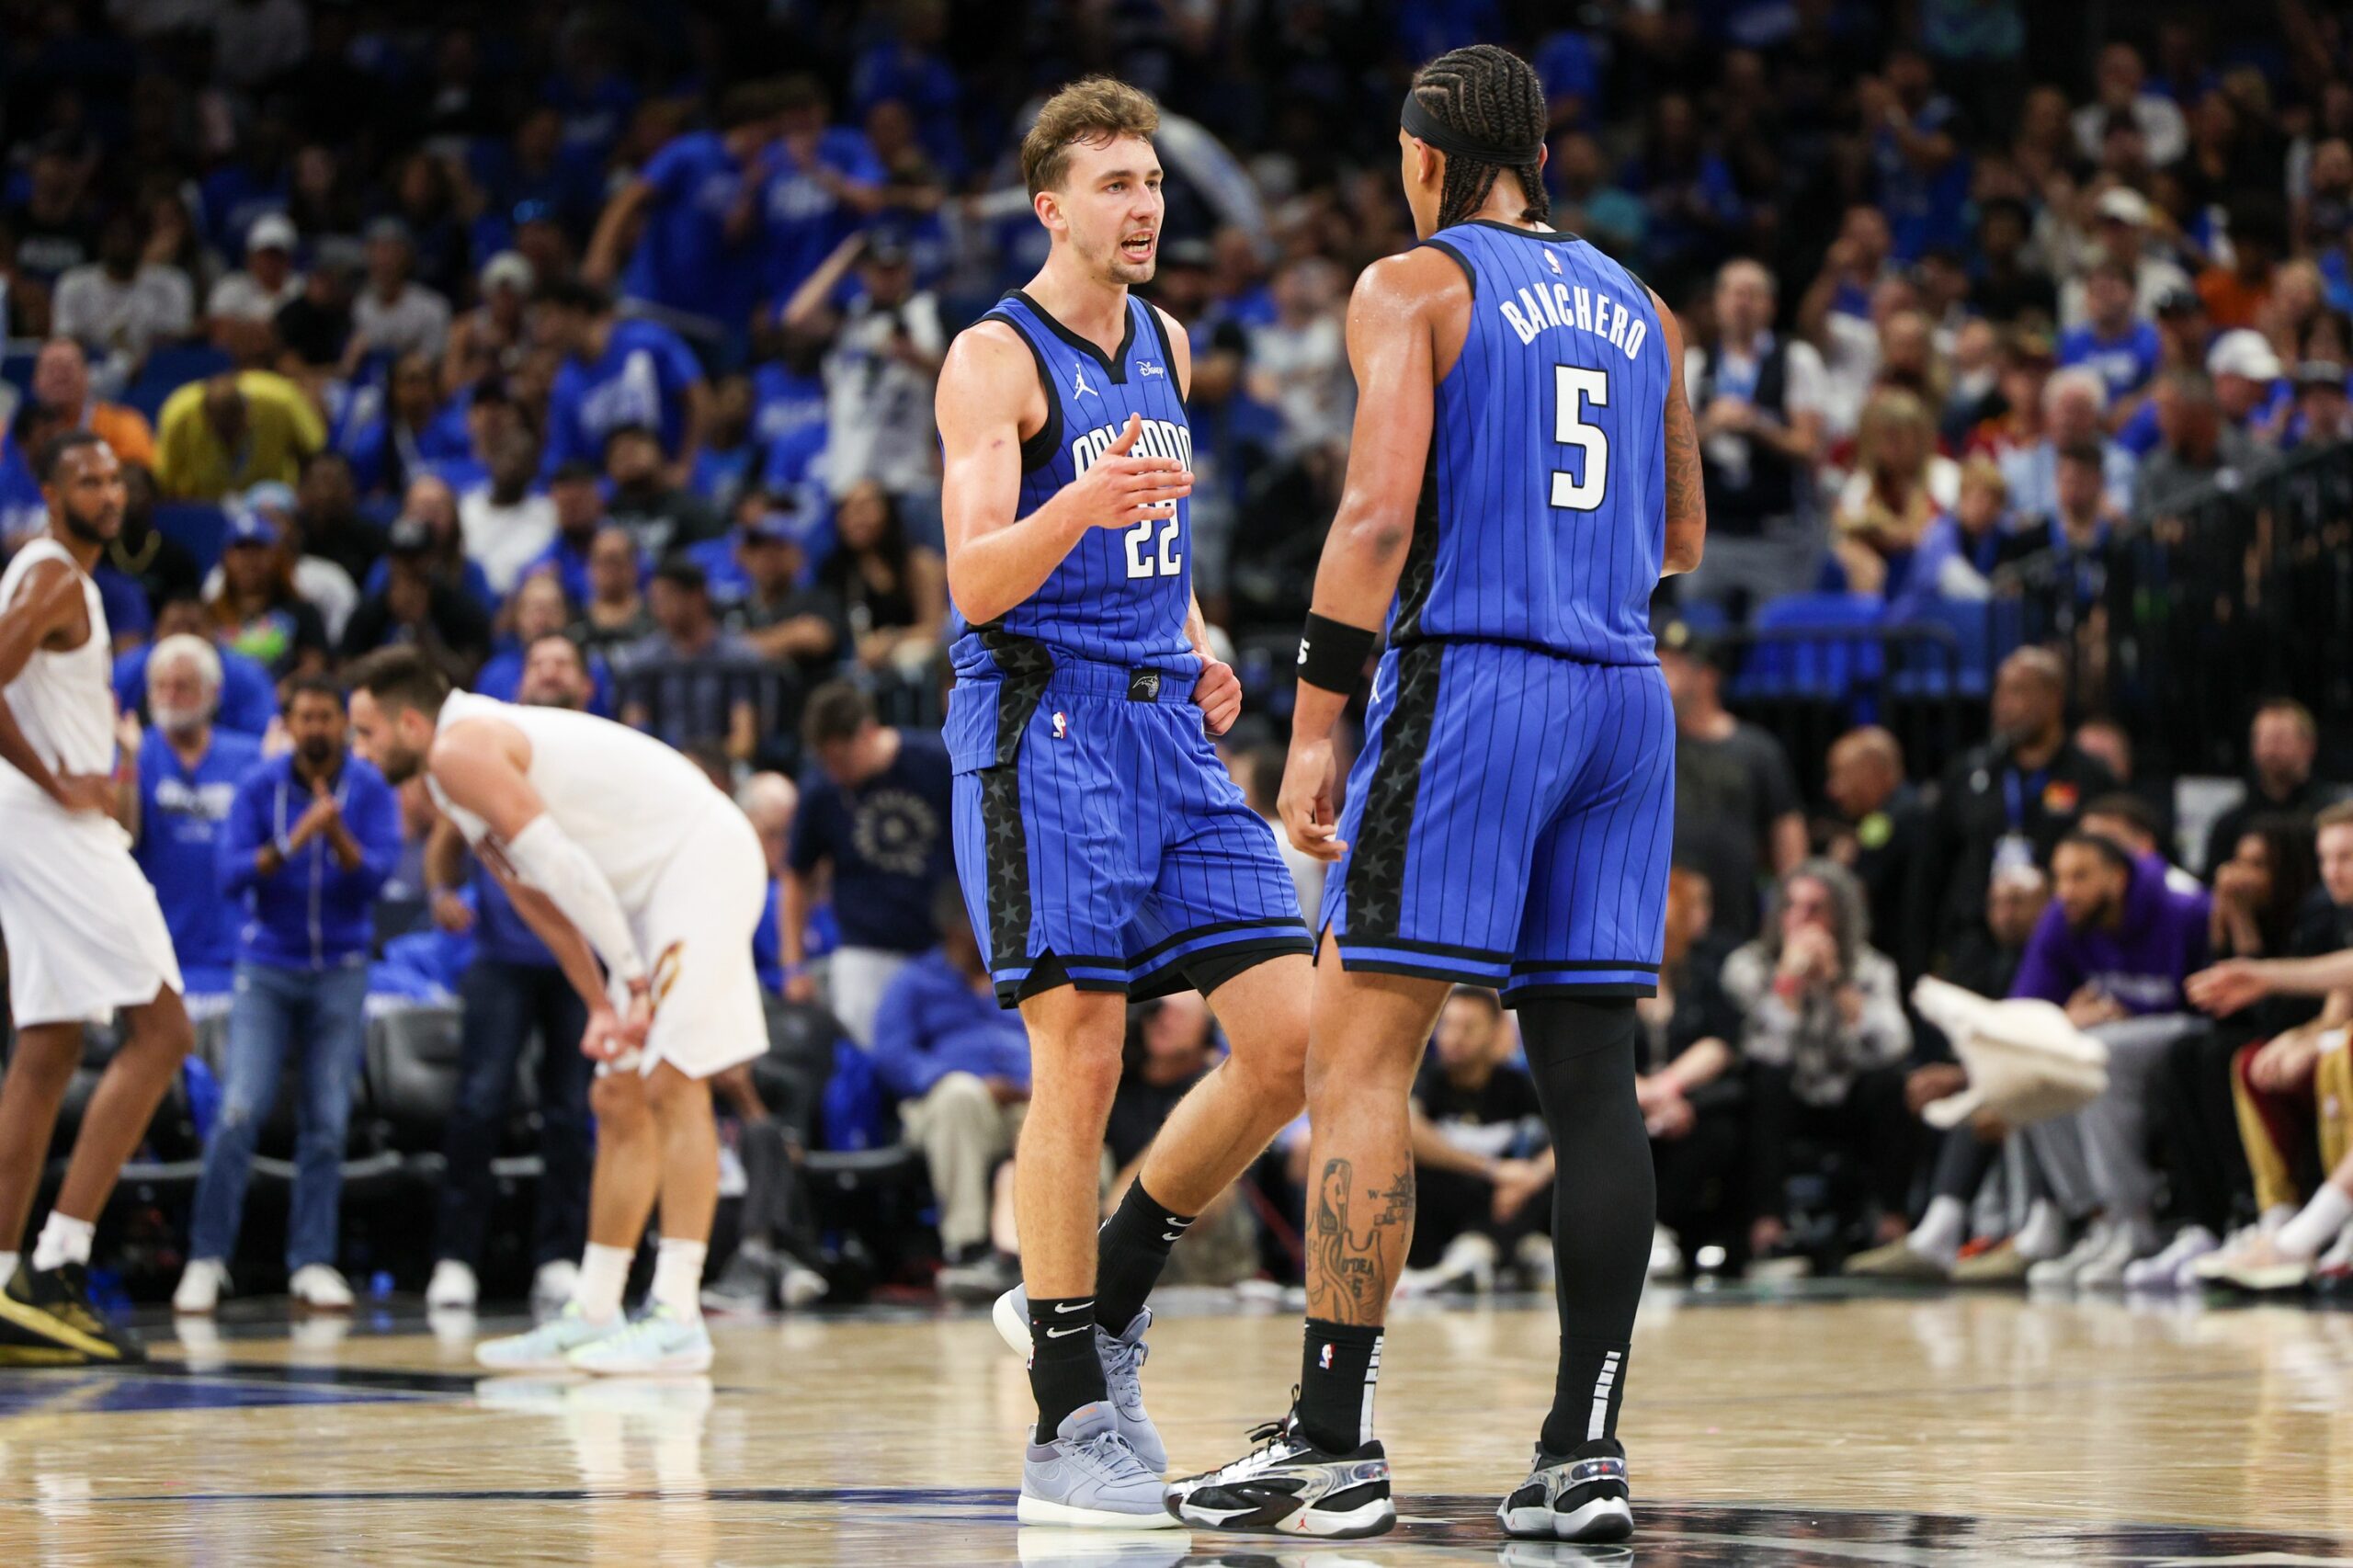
x: 618, y: 1100
x: 1272, y: 1076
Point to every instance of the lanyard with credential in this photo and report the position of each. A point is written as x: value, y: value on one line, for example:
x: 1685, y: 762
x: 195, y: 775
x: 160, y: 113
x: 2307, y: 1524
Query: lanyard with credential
x: 2015, y: 792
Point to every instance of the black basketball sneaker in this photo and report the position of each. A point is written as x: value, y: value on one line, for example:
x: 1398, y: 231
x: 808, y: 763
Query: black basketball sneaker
x: 1579, y: 1496
x: 1288, y: 1486
x: 46, y: 1316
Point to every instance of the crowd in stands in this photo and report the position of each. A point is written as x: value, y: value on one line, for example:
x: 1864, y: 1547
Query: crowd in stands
x: 592, y: 353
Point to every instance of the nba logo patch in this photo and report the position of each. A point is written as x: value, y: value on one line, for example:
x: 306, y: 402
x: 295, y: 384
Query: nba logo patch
x: 1324, y: 1362
x: 1554, y: 262
x: 1061, y: 725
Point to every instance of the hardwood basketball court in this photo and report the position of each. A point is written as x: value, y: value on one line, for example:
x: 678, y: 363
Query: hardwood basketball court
x: 1814, y: 1425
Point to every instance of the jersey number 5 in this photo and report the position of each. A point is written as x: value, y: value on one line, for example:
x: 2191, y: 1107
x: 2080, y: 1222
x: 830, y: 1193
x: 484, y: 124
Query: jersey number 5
x: 1574, y: 387
x: 1167, y: 563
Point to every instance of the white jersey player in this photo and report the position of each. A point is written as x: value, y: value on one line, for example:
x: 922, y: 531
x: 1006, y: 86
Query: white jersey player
x: 614, y: 848
x: 84, y: 935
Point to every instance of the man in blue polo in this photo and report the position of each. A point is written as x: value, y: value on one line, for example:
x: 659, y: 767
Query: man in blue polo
x: 617, y: 373
x: 311, y: 838
x: 188, y: 772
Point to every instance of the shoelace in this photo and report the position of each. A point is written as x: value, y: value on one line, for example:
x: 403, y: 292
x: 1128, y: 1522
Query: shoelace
x: 1124, y: 1360
x: 1265, y: 1438
x: 1109, y: 1452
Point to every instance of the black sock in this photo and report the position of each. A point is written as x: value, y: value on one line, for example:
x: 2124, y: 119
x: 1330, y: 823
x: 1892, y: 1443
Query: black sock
x: 1336, y: 1376
x: 1130, y: 1251
x: 1605, y: 1202
x: 1064, y: 1371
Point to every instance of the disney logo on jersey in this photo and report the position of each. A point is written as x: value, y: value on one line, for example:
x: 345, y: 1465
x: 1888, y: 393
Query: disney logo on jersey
x: 1149, y: 368
x: 1155, y: 438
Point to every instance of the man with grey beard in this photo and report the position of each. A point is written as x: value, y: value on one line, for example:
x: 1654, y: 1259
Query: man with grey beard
x: 187, y: 770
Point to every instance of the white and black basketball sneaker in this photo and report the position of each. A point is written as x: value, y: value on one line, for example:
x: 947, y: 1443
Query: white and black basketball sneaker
x: 1580, y: 1496
x: 1288, y: 1486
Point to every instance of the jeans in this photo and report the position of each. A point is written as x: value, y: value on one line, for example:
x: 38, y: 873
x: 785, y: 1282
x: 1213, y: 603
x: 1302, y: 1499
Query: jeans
x: 321, y: 1014
x: 504, y: 1003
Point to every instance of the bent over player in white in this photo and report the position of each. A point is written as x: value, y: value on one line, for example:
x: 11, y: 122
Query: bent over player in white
x: 83, y: 931
x: 614, y: 847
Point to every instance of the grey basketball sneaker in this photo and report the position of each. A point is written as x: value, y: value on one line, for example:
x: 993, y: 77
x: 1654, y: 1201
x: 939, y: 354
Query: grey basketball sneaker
x: 1089, y: 1476
x: 1580, y: 1496
x: 1288, y: 1486
x: 1123, y: 1355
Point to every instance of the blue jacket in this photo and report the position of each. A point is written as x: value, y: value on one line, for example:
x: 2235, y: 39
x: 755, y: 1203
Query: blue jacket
x: 931, y: 1023
x: 311, y: 913
x: 182, y: 815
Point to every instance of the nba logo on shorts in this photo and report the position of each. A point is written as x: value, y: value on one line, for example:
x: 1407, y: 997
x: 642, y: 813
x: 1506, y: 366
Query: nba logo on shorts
x: 1061, y: 725
x: 1325, y: 1361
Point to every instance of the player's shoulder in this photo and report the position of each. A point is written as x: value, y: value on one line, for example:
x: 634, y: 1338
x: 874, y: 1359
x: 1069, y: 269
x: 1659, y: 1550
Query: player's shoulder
x: 1411, y: 283
x: 989, y: 357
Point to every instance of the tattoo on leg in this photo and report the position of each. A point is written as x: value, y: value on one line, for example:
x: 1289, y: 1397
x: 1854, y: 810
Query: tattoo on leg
x: 1350, y: 1272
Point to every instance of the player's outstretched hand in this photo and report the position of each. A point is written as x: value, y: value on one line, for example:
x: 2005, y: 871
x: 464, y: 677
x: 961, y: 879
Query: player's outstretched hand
x: 1121, y: 488
x: 2228, y: 986
x: 1218, y: 693
x: 1306, y: 800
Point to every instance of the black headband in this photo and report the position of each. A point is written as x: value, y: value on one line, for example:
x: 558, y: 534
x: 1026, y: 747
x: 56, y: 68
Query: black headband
x: 1419, y: 122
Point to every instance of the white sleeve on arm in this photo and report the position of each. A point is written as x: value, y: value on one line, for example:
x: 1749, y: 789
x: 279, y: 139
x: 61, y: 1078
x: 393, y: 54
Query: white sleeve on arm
x: 552, y: 862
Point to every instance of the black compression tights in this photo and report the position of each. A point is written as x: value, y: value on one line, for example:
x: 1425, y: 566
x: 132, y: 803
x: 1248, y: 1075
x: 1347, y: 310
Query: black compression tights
x: 1605, y: 1200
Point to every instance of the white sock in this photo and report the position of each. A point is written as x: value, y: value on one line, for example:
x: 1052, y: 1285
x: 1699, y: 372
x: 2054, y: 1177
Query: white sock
x: 1938, y: 1233
x: 7, y: 1269
x: 63, y: 1240
x: 2044, y: 1234
x: 604, y: 1275
x: 678, y: 1277
x: 2317, y: 1224
x: 2271, y: 1219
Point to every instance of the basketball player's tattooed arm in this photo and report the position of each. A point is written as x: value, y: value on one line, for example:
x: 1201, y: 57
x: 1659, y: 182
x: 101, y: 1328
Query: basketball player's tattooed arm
x: 1401, y: 308
x: 1350, y: 1271
x: 47, y: 609
x: 1686, y: 501
x: 988, y: 396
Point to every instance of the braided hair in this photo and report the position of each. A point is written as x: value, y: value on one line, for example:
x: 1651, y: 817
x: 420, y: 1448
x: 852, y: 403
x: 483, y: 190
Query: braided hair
x: 1492, y: 95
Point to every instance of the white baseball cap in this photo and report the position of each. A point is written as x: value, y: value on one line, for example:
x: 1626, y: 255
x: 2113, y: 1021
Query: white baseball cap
x: 272, y: 231
x: 509, y: 267
x: 2243, y: 352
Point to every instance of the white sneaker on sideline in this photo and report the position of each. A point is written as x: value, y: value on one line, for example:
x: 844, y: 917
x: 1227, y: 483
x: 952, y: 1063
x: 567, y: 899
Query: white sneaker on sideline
x: 1666, y: 1253
x: 2105, y: 1270
x: 1537, y: 1265
x: 1469, y: 1261
x: 320, y: 1287
x: 202, y: 1284
x: 2061, y: 1271
x: 2166, y: 1271
x: 799, y: 1285
x: 553, y: 1284
x: 453, y: 1286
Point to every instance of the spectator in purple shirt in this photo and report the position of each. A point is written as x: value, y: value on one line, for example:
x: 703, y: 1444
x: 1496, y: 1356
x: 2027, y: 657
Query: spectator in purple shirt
x: 2113, y: 949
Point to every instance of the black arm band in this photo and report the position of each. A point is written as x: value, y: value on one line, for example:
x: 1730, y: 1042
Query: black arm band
x: 1332, y: 653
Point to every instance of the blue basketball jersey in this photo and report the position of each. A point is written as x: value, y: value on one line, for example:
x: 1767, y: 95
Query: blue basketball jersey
x: 1543, y: 519
x: 1120, y: 596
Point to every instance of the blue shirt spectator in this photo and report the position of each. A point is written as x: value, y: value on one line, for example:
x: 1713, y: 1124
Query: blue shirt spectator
x: 618, y: 373
x: 311, y: 837
x: 940, y: 1017
x: 699, y: 256
x: 822, y: 178
x: 189, y: 773
x: 2125, y: 361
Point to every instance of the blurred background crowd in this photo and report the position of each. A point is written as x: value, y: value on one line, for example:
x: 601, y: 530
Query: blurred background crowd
x: 592, y: 350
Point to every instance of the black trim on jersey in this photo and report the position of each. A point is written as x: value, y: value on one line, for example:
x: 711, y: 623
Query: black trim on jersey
x: 1039, y: 449
x: 1005, y: 838
x: 1550, y: 236
x: 1376, y: 886
x: 1212, y: 967
x: 1436, y: 949
x: 1459, y: 260
x: 1354, y: 963
x: 1515, y: 994
x: 1116, y: 365
x: 1420, y: 570
x: 1167, y: 349
x: 1288, y: 924
x: 1526, y: 645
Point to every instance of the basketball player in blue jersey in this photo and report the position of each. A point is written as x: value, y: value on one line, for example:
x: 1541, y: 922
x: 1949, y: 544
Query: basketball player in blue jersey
x: 1104, y: 852
x: 1524, y: 468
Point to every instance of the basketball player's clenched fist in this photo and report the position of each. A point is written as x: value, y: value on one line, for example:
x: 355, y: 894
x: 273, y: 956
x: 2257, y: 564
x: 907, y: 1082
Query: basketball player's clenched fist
x: 1122, y: 488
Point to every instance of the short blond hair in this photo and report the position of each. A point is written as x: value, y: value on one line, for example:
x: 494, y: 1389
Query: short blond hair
x: 1093, y: 110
